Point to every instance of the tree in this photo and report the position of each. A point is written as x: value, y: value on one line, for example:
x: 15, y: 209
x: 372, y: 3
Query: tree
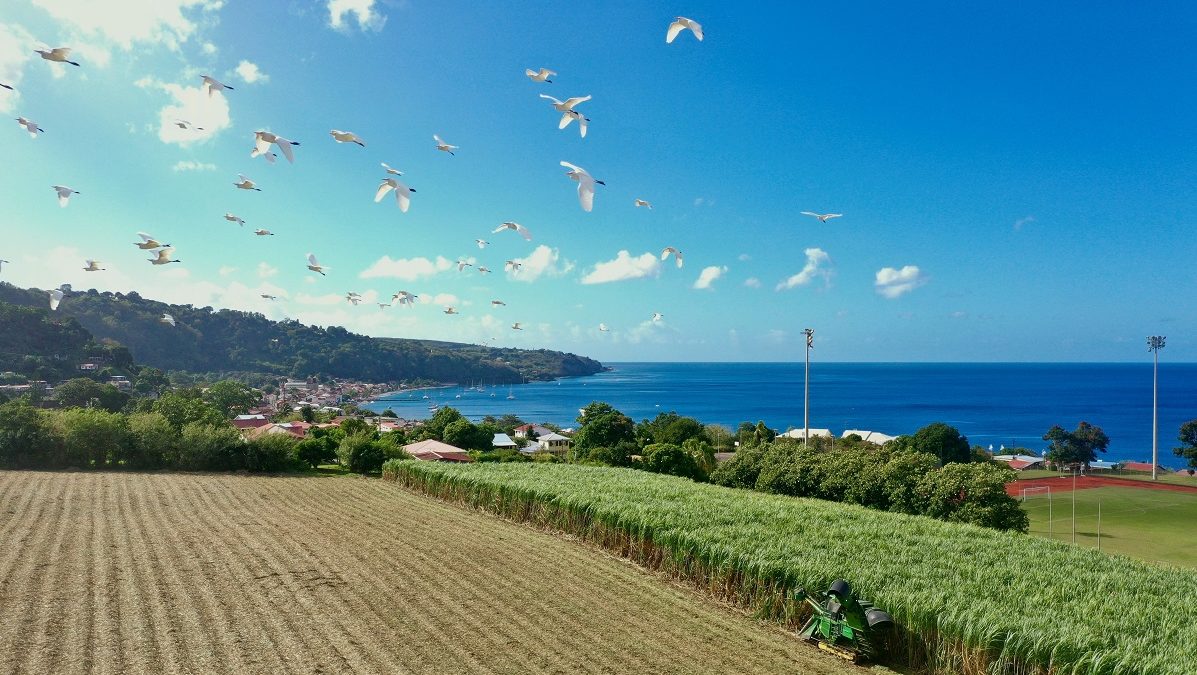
x: 271, y: 453
x: 210, y: 447
x: 184, y: 406
x: 671, y: 459
x: 313, y: 452
x: 703, y: 454
x: 434, y: 427
x: 152, y: 440
x: 939, y: 439
x: 670, y: 427
x: 973, y: 493
x: 721, y: 439
x: 1188, y: 439
x: 25, y: 438
x: 307, y: 414
x: 466, y: 435
x: 751, y: 435
x: 90, y: 435
x: 231, y: 398
x: 360, y: 453
x: 353, y: 425
x: 1079, y: 446
x: 84, y: 393
x: 605, y: 427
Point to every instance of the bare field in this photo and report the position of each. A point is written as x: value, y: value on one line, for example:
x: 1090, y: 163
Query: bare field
x: 142, y: 573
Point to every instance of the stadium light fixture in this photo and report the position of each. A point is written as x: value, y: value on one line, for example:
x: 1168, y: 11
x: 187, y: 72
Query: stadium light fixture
x: 1154, y: 344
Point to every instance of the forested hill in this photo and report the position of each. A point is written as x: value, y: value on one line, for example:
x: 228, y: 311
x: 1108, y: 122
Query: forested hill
x: 205, y: 340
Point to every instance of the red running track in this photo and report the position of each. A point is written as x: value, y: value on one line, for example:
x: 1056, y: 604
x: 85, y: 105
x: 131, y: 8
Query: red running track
x: 1065, y: 484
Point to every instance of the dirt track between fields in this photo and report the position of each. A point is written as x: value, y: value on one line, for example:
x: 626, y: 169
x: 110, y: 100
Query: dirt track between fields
x: 149, y: 573
x: 1065, y: 484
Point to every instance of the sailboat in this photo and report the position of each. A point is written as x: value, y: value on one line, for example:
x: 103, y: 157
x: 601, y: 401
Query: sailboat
x: 510, y: 394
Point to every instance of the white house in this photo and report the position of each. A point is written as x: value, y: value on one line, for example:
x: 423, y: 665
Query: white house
x: 814, y: 433
x: 870, y: 436
x: 503, y: 442
x: 554, y: 443
x: 527, y: 430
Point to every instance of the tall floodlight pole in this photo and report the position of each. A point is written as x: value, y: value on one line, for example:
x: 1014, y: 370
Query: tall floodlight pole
x: 810, y: 344
x: 1154, y: 344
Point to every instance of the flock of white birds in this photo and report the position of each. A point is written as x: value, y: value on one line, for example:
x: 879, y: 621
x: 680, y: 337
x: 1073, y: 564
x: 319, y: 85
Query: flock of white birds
x: 266, y: 143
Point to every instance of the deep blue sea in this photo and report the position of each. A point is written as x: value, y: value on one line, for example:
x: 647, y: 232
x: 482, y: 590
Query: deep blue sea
x: 1011, y: 404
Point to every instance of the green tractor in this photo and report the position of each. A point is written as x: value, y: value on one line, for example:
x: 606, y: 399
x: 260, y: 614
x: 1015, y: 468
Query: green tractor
x: 843, y: 624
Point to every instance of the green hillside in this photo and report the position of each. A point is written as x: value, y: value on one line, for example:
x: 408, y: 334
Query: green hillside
x: 206, y: 340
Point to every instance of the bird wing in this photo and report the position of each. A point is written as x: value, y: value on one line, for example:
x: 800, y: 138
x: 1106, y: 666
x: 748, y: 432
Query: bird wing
x: 285, y: 145
x: 678, y: 255
x: 565, y: 120
x: 665, y: 253
x: 145, y: 238
x: 260, y: 145
x: 391, y: 170
x: 572, y: 167
x: 833, y: 215
x: 524, y: 232
x: 695, y: 27
x: 674, y: 28
x: 810, y: 213
x: 243, y: 178
x: 571, y: 102
x: 312, y: 260
x: 552, y: 98
x: 438, y: 140
x: 582, y: 126
x: 530, y: 73
x: 61, y: 51
x: 383, y: 189
x: 586, y: 192
x: 403, y: 196
x: 498, y: 229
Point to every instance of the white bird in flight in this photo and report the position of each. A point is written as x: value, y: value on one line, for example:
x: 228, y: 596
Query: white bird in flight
x: 264, y: 139
x: 443, y: 146
x: 58, y: 55
x: 497, y: 303
x: 346, y: 137
x: 481, y: 243
x: 388, y: 169
x: 213, y: 85
x: 515, y: 227
x: 585, y: 184
x: 315, y: 266
x: 64, y: 194
x: 264, y: 233
x: 657, y: 316
x: 3, y: 263
x: 353, y: 298
x: 516, y: 326
x: 267, y: 296
x: 184, y: 124
x: 823, y: 217
x: 603, y: 328
x: 246, y: 184
x: 461, y: 265
x: 402, y: 193
x: 680, y: 24
x: 7, y: 86
x: 513, y: 265
x: 148, y: 242
x: 163, y: 257
x: 566, y: 105
x: 641, y: 202
x: 677, y: 255
x: 404, y: 298
x: 30, y: 126
x: 167, y: 319
x: 583, y: 121
x: 541, y: 75
x: 450, y: 310
x: 484, y: 270
x: 234, y: 219
x: 55, y: 298
x: 92, y: 266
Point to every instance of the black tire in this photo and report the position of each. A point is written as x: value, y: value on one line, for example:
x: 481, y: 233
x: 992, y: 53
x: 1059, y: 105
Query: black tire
x: 840, y: 589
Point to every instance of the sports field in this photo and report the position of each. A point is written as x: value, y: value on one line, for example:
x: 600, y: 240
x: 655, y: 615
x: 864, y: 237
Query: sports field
x: 144, y: 573
x: 1152, y: 524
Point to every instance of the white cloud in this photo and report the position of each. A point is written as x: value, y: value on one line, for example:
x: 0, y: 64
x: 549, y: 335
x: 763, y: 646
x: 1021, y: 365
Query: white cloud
x: 1027, y: 220
x: 406, y: 269
x: 129, y: 21
x: 249, y: 72
x: 16, y: 46
x: 265, y: 270
x: 958, y: 314
x: 624, y: 267
x: 744, y: 257
x: 708, y: 275
x: 207, y: 115
x: 209, y: 48
x: 361, y: 10
x: 752, y: 282
x: 814, y: 267
x: 192, y: 165
x: 225, y: 270
x: 893, y: 283
x: 445, y: 299
x: 542, y: 262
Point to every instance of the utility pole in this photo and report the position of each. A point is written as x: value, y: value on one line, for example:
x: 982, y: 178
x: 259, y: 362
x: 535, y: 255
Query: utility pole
x: 810, y: 344
x: 1154, y: 344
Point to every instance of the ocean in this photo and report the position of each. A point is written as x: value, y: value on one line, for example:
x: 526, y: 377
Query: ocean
x: 1010, y: 404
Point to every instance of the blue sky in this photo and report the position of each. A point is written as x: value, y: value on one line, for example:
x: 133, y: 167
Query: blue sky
x: 1022, y: 176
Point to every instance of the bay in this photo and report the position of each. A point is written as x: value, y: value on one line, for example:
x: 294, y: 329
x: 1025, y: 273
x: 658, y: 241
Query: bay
x: 1010, y: 404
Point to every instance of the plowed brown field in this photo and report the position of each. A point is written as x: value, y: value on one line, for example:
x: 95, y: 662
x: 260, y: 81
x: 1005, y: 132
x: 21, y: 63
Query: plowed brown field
x: 136, y: 573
